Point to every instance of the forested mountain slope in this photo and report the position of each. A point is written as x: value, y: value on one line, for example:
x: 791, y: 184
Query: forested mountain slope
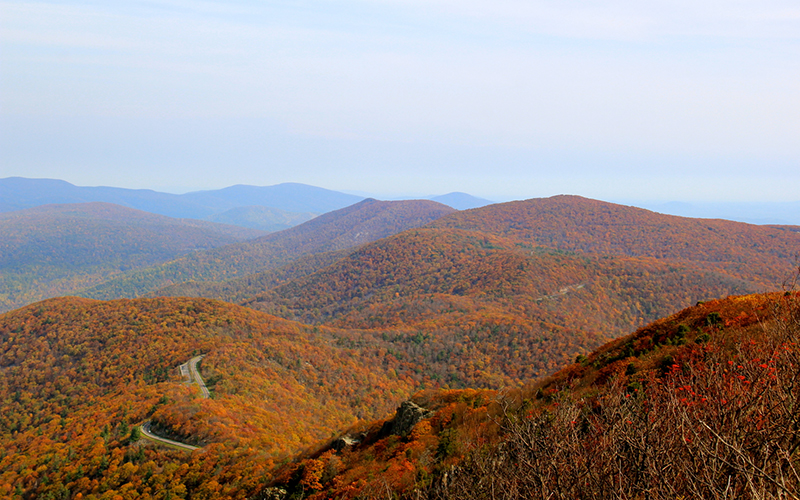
x: 77, y: 375
x: 498, y: 285
x: 472, y: 308
x: 756, y: 253
x: 393, y: 282
x: 363, y: 222
x: 630, y: 264
x: 59, y: 249
x: 242, y: 290
x: 701, y: 404
x: 496, y: 294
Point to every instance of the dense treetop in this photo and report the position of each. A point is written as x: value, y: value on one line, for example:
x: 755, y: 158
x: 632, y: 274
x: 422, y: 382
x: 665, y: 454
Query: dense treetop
x: 78, y: 374
x: 701, y: 404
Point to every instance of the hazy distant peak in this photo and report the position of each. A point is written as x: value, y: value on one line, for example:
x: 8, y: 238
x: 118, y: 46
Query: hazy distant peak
x: 461, y: 201
x: 290, y: 197
x: 17, y: 193
x: 26, y: 182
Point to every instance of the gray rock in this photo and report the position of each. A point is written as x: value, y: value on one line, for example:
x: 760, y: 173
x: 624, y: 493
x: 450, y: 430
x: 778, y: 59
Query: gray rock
x: 407, y: 416
x: 345, y: 442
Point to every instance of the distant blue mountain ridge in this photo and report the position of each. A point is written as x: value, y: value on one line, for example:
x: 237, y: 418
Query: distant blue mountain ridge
x: 299, y: 201
x: 293, y: 203
x: 461, y: 201
x: 17, y: 193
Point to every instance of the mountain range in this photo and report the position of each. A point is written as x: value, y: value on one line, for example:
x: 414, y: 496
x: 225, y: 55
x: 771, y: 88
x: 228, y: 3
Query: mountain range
x: 557, y: 347
x: 19, y: 193
x: 299, y: 200
x: 270, y: 208
x: 108, y: 251
x: 365, y: 221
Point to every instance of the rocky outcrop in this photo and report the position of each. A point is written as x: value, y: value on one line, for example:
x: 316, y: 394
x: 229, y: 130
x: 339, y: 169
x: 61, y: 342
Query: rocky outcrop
x: 407, y: 416
x: 346, y: 441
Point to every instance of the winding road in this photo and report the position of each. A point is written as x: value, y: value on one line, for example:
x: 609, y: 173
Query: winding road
x: 189, y: 371
x: 158, y: 439
x: 194, y: 375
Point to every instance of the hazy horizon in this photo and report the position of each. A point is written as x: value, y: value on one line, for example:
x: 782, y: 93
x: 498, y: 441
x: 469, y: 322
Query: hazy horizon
x: 664, y: 101
x: 774, y: 212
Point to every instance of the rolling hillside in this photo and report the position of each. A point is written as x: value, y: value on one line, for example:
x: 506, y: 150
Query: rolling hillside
x: 497, y: 285
x: 349, y: 227
x: 701, y: 404
x: 572, y: 223
x: 470, y: 295
x: 735, y: 257
x: 387, y: 283
x: 242, y: 290
x: 58, y: 249
x: 78, y: 376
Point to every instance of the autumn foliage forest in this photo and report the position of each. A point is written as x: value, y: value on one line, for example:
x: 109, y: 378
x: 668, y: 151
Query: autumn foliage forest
x: 508, y: 327
x: 79, y: 375
x: 348, y: 227
x: 701, y: 404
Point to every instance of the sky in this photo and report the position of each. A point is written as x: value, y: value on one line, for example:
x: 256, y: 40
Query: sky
x: 670, y: 100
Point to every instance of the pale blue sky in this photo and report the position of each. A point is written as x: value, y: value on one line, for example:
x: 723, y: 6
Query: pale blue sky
x: 621, y: 99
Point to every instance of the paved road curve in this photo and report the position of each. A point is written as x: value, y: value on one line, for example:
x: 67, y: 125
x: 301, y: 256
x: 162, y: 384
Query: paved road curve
x: 194, y: 375
x: 152, y: 437
x: 188, y: 370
